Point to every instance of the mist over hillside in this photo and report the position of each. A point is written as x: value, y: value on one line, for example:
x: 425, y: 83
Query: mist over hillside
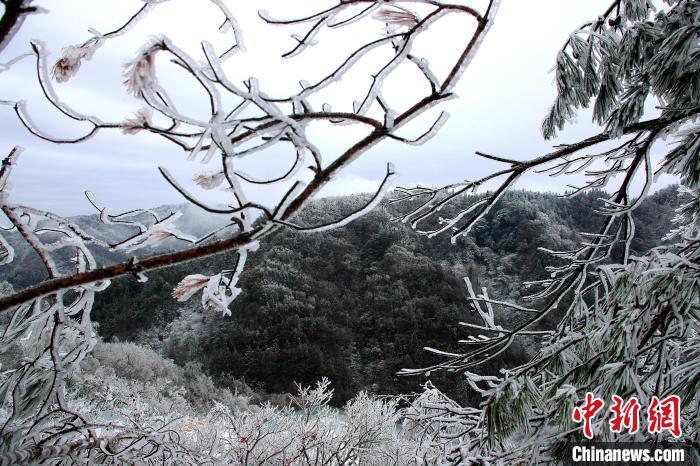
x: 355, y: 304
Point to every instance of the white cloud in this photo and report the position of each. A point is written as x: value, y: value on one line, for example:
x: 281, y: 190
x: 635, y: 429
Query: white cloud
x: 349, y: 184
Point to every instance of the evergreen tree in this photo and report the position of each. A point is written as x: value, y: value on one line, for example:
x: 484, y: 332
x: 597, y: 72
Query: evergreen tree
x: 627, y: 320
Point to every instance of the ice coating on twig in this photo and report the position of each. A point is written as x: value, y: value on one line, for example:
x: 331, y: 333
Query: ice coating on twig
x: 244, y: 121
x: 376, y: 199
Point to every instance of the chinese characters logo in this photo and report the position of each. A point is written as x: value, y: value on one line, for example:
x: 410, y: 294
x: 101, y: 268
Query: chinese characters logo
x: 661, y: 415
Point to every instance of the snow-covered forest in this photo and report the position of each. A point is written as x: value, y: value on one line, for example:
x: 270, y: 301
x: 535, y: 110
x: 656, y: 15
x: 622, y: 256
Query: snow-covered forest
x: 260, y: 322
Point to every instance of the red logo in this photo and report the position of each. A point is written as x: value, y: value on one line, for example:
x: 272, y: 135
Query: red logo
x: 661, y: 415
x: 624, y: 415
x: 665, y: 415
x: 586, y: 413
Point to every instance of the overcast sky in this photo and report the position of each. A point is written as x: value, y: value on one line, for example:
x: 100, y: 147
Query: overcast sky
x: 503, y: 98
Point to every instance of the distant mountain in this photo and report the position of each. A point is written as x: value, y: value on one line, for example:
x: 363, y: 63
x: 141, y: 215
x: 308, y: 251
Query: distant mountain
x: 354, y: 304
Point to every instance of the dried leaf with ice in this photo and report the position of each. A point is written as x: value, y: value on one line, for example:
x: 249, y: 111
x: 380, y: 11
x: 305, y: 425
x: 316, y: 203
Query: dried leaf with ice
x: 141, y: 120
x: 190, y: 285
x: 140, y: 73
x: 209, y: 179
x: 398, y: 16
x: 69, y: 64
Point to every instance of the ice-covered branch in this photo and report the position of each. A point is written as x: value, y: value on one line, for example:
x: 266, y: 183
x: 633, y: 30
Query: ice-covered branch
x: 606, y: 304
x: 553, y: 164
x: 368, y: 207
x: 14, y: 14
x: 242, y: 121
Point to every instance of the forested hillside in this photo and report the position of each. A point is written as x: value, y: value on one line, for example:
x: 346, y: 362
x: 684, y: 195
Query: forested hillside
x: 354, y: 304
